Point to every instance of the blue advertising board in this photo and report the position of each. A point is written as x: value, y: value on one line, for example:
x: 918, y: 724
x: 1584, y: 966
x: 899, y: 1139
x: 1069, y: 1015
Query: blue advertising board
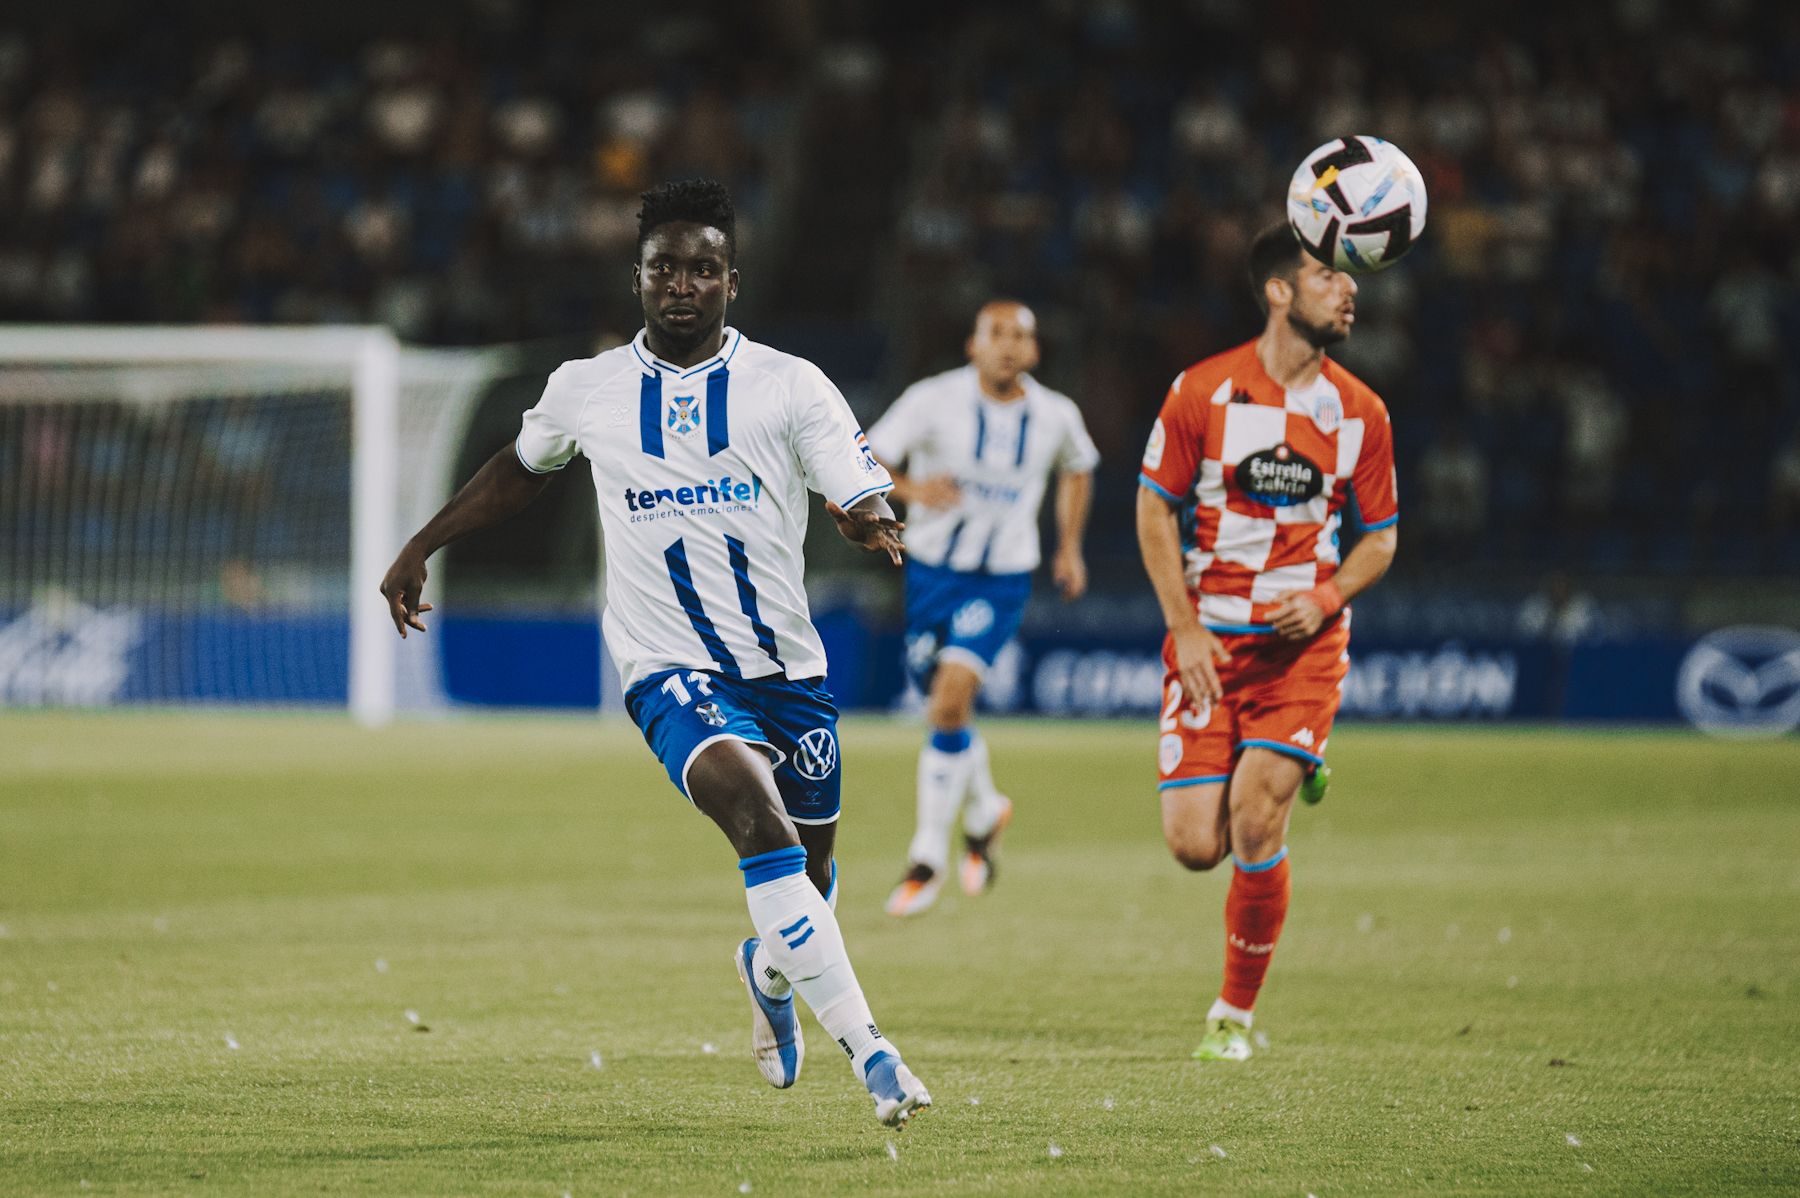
x: 1734, y: 681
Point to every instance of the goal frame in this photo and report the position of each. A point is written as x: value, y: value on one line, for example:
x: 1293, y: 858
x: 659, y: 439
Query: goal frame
x: 368, y: 357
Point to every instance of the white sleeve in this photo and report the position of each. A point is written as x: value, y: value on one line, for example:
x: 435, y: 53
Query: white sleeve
x: 832, y: 450
x: 546, y: 442
x: 896, y: 435
x: 1077, y: 453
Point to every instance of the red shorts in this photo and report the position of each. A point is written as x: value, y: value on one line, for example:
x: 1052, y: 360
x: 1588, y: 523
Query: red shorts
x: 1279, y: 695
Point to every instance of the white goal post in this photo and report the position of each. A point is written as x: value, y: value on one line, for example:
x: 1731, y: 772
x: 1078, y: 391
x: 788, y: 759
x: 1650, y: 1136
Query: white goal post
x: 206, y: 409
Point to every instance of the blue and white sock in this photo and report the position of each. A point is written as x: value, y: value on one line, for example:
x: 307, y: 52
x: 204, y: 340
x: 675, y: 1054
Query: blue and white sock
x: 985, y: 803
x: 944, y: 765
x: 769, y: 979
x: 800, y: 933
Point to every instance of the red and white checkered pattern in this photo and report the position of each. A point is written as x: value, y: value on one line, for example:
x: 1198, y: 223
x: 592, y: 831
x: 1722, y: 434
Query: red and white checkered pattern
x: 1242, y: 554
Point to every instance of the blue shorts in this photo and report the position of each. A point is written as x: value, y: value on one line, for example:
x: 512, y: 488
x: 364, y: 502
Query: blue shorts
x: 680, y: 712
x: 953, y: 616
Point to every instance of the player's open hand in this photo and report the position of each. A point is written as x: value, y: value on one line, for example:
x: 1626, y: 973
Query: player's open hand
x: 1198, y: 654
x: 871, y: 529
x: 1070, y: 573
x: 402, y: 587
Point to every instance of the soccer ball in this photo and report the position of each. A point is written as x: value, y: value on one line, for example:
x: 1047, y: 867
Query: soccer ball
x: 1357, y: 204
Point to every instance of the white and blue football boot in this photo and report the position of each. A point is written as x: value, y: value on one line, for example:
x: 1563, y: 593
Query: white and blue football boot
x: 775, y: 1039
x: 897, y: 1092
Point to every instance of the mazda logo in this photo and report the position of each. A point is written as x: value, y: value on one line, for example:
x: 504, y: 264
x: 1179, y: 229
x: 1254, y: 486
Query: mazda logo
x: 1742, y: 682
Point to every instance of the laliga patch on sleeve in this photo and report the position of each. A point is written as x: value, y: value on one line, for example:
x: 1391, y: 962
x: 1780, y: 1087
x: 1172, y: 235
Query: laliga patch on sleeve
x: 1154, y: 450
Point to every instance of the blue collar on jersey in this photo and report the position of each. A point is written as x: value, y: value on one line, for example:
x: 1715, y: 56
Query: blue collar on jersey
x: 727, y: 348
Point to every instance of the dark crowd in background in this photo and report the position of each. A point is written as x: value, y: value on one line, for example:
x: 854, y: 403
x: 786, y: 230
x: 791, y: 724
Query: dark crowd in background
x: 1585, y: 357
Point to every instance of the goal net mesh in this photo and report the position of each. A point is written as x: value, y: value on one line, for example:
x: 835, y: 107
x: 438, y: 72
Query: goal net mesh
x: 181, y: 532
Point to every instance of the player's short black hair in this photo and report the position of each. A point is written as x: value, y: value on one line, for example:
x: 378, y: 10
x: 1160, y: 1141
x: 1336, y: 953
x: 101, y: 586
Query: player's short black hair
x: 1275, y: 254
x: 702, y: 201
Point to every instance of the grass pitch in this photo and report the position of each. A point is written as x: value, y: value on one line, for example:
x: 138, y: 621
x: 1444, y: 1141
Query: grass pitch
x: 279, y: 955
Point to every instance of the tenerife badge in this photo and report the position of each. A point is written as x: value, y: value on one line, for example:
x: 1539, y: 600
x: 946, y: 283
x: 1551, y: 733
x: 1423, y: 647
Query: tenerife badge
x: 684, y: 415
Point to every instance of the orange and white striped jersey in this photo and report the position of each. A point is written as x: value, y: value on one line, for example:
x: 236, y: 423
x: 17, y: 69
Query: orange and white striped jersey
x: 1260, y: 474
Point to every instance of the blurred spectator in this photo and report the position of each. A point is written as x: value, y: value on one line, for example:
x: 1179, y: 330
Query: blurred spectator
x: 1452, y: 495
x: 1784, y: 486
x: 1596, y: 428
x: 1559, y: 612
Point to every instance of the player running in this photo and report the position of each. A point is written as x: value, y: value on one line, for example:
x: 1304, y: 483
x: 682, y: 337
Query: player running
x: 977, y: 444
x: 1254, y: 456
x: 703, y: 445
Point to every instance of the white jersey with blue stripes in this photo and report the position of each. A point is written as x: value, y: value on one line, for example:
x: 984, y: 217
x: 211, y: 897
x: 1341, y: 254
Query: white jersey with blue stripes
x: 1001, y: 455
x: 702, y: 474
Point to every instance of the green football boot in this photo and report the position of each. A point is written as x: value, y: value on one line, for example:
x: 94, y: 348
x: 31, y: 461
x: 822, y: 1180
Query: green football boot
x: 1312, y: 791
x: 1225, y: 1040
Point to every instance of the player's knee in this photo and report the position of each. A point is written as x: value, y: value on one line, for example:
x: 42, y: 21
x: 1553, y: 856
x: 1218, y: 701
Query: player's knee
x: 947, y: 718
x: 1197, y: 852
x: 950, y: 709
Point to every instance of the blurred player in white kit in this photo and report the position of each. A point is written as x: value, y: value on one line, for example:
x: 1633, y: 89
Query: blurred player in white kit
x: 971, y: 452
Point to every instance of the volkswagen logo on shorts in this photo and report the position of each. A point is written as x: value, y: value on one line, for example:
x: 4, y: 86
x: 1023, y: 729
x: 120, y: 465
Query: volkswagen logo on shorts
x: 1742, y: 682
x: 973, y: 618
x: 816, y: 755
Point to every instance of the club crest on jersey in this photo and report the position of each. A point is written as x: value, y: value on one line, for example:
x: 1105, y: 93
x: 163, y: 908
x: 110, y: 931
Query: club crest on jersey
x: 683, y: 415
x: 816, y: 755
x: 1328, y: 413
x: 1279, y: 477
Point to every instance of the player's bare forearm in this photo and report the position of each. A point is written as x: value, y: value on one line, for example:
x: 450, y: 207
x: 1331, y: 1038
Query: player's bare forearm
x: 1197, y: 651
x: 938, y: 491
x: 1074, y: 495
x: 1073, y: 492
x: 1159, y: 541
x: 1366, y: 563
x: 499, y: 490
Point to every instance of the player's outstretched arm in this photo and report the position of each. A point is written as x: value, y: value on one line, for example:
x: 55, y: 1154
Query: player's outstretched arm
x: 1196, y: 649
x: 872, y: 525
x: 500, y: 489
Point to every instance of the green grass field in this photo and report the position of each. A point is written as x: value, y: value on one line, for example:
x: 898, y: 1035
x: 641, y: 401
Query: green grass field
x: 1517, y: 963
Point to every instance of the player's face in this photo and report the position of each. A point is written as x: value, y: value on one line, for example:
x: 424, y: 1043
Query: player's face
x: 684, y: 279
x: 1004, y: 344
x: 1324, y: 304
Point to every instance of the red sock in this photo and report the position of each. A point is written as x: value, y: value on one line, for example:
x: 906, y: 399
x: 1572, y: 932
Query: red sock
x: 1255, y: 907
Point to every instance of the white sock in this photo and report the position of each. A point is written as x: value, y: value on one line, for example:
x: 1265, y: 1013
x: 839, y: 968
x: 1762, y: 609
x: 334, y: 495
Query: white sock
x: 1224, y: 1010
x: 801, y: 936
x: 985, y: 804
x: 944, y: 765
x: 769, y: 979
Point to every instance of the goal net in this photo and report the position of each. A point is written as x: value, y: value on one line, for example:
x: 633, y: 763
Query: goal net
x: 204, y: 515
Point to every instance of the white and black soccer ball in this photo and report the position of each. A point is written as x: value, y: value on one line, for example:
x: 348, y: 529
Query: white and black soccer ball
x: 1357, y: 204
